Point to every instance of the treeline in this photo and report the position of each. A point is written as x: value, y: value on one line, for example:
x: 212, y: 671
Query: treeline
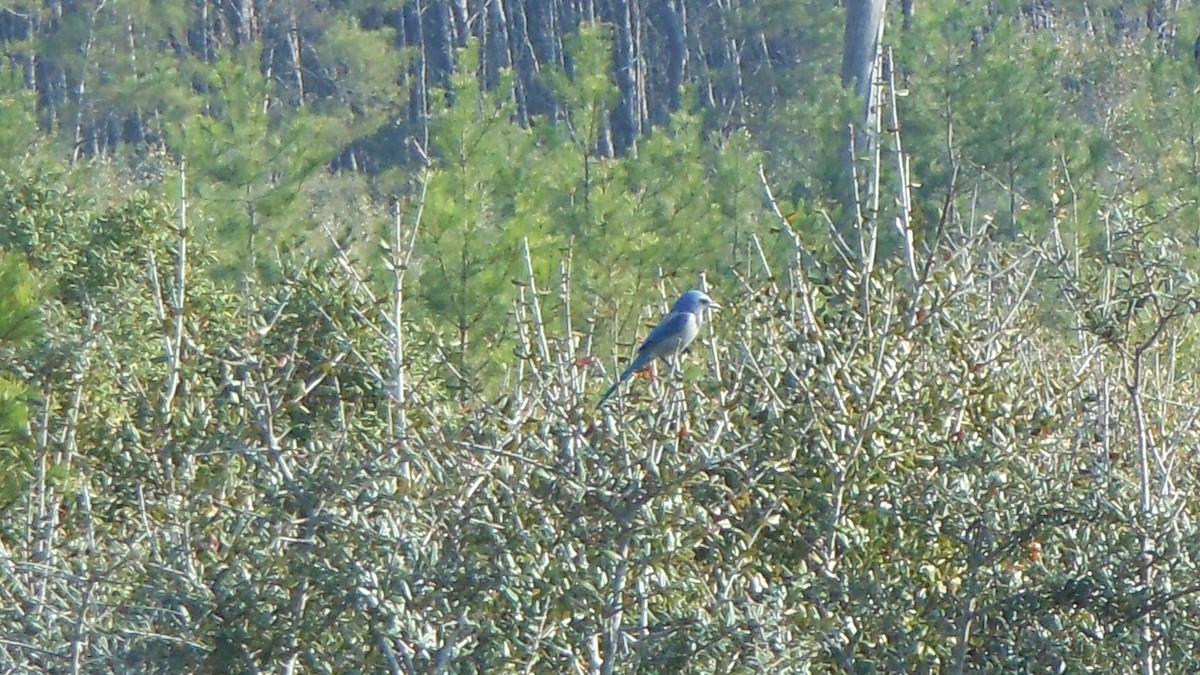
x: 106, y: 73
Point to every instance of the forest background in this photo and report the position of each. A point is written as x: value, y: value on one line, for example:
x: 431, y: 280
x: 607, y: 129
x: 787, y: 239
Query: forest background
x: 305, y: 307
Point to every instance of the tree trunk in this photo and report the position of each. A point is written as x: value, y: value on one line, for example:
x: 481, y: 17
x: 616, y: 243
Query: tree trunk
x: 461, y: 14
x: 522, y: 58
x: 242, y: 18
x: 418, y: 102
x: 439, y: 43
x: 293, y: 39
x: 495, y: 52
x: 864, y: 32
x: 669, y: 61
x: 625, y: 119
x: 542, y: 50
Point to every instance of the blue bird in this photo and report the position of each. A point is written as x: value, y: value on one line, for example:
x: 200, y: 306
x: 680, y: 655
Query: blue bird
x: 672, y: 335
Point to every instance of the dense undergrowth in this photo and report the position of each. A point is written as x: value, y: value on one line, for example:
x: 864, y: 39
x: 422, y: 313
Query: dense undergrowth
x: 855, y: 468
x: 258, y: 415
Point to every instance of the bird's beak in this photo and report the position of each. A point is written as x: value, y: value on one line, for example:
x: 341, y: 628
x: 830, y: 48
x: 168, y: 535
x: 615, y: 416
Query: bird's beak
x: 713, y: 305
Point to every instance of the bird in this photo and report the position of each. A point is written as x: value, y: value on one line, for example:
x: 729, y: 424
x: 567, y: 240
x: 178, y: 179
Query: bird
x: 672, y: 335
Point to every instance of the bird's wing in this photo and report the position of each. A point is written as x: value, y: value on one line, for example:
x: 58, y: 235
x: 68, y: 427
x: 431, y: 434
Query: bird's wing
x: 667, y: 335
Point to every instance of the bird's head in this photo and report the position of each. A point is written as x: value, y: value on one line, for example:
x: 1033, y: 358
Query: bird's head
x: 694, y: 301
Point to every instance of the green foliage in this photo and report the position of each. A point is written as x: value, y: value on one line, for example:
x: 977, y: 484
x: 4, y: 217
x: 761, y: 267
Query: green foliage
x: 255, y: 165
x: 18, y: 312
x: 18, y: 120
x: 364, y: 66
x: 987, y: 107
x: 799, y: 116
x: 18, y: 329
x: 254, y: 159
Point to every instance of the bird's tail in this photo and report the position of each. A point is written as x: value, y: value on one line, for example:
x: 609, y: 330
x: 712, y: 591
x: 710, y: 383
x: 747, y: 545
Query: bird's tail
x: 608, y: 393
x: 638, y: 362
